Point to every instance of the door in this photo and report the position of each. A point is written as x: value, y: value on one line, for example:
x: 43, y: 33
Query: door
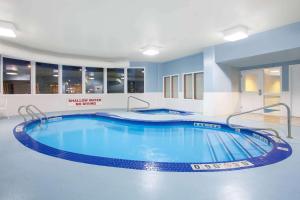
x: 272, y: 90
x: 295, y: 89
x: 252, y: 86
x: 261, y: 87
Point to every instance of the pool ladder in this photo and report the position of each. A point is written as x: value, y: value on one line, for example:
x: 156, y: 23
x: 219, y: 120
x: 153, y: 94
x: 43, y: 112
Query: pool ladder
x: 141, y: 100
x: 33, y: 111
x: 263, y: 129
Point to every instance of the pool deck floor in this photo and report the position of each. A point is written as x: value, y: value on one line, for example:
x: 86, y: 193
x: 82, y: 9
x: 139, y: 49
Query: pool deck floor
x: 28, y: 175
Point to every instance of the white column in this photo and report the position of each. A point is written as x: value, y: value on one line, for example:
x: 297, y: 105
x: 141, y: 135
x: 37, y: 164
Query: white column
x: 221, y: 95
x: 33, y: 77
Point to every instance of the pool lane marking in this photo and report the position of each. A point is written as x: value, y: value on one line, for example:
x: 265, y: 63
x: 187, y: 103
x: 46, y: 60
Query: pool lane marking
x: 254, y: 144
x: 211, y: 148
x: 225, y: 147
x: 240, y: 146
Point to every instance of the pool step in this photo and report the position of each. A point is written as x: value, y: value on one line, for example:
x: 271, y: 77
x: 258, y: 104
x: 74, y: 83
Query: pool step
x: 211, y: 149
x: 225, y: 147
x: 254, y: 144
x: 240, y: 146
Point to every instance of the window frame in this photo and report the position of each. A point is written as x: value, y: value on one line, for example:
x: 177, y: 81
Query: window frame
x: 32, y: 74
x: 124, y: 82
x: 84, y: 71
x: 35, y: 78
x: 171, y: 84
x: 126, y: 68
x: 193, y: 85
x: 62, y: 79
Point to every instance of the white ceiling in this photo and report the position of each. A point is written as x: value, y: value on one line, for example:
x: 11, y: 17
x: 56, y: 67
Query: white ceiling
x: 117, y: 29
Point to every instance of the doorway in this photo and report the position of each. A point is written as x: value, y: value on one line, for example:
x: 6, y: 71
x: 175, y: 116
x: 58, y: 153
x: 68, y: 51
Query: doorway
x: 261, y: 87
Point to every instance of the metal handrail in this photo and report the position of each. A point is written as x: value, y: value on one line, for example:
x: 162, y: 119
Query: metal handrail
x: 21, y: 114
x: 35, y: 115
x: 263, y: 129
x: 132, y: 97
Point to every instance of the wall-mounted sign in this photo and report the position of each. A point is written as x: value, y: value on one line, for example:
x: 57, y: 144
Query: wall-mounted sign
x: 84, y: 101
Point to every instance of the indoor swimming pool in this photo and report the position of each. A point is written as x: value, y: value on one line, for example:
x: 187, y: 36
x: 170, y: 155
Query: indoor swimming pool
x: 173, y: 145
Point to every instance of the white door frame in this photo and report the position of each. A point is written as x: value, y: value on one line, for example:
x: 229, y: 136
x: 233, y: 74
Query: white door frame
x: 291, y: 87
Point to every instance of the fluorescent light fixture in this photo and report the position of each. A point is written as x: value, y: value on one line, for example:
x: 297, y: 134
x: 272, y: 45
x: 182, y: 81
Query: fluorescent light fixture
x: 7, y: 29
x: 12, y: 73
x: 236, y: 33
x: 150, y: 51
x: 55, y: 75
x: 274, y: 72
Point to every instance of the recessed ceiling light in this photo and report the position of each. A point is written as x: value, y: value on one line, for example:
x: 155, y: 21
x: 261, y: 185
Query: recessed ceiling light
x: 150, y: 51
x: 236, y: 33
x: 7, y: 29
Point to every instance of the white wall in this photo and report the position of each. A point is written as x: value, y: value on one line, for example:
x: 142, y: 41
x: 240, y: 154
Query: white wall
x: 16, y: 51
x: 59, y: 102
x: 180, y: 103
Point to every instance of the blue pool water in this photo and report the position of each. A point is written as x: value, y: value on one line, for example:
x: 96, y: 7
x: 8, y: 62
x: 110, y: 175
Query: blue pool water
x: 162, y: 142
x: 163, y: 111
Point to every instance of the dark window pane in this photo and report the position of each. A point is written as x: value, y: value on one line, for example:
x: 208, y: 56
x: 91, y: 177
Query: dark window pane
x: 94, y: 80
x: 115, y: 80
x: 46, y: 78
x: 16, y: 76
x: 72, y: 80
x: 135, y: 81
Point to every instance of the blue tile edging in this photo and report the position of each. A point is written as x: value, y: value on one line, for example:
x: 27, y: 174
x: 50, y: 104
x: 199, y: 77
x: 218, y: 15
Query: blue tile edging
x: 280, y: 151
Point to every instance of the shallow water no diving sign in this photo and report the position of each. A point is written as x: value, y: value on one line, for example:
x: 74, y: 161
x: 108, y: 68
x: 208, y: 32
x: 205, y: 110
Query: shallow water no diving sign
x: 222, y: 166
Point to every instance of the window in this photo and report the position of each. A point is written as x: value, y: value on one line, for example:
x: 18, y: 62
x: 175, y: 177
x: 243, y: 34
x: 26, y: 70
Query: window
x: 16, y: 76
x: 171, y: 86
x: 174, y: 86
x: 115, y: 80
x: 135, y: 82
x: 94, y: 80
x: 72, y: 80
x: 198, y: 86
x: 167, y: 92
x: 193, y: 86
x: 46, y: 78
x: 188, y: 86
x: 250, y: 82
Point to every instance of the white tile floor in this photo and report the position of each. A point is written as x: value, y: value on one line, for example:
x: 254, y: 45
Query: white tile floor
x: 29, y: 175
